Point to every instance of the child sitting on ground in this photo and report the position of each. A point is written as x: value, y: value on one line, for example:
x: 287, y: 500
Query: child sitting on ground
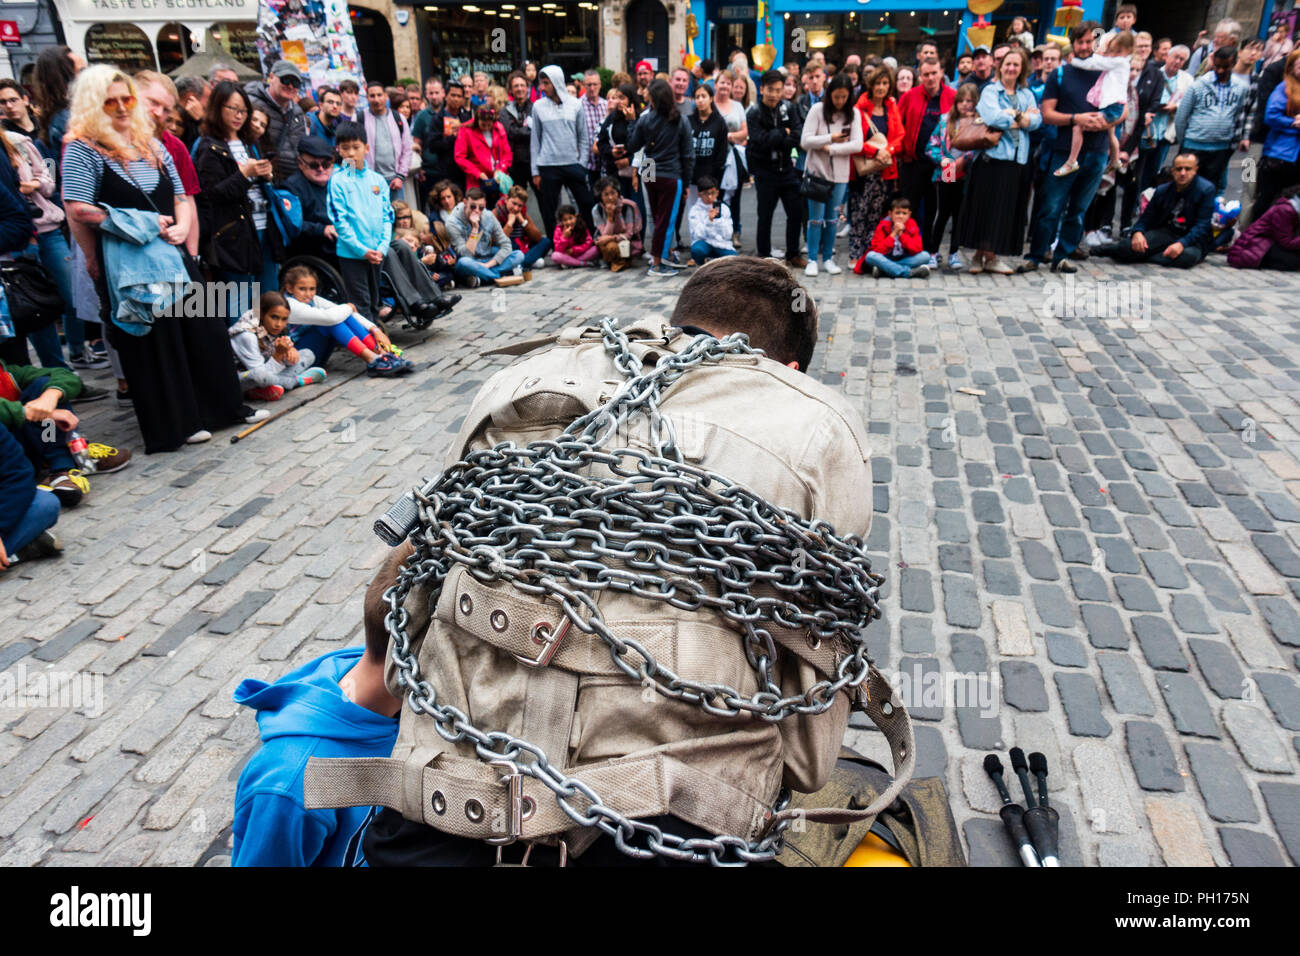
x: 334, y: 706
x: 897, y: 250
x: 1109, y: 94
x: 710, y: 222
x: 272, y: 364
x: 618, y: 225
x: 573, y: 243
x: 319, y: 324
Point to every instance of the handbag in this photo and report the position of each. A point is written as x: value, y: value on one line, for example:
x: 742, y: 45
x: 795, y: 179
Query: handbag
x: 34, y: 300
x: 869, y: 165
x: 973, y: 135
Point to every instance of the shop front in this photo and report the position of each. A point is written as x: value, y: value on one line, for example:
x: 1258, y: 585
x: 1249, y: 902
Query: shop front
x: 37, y: 25
x: 495, y: 38
x: 157, y: 34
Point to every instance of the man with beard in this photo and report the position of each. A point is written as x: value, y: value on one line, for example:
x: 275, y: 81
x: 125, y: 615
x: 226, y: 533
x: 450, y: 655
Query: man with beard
x: 408, y: 275
x: 326, y: 119
x: 435, y: 131
x: 158, y: 94
x: 644, y: 73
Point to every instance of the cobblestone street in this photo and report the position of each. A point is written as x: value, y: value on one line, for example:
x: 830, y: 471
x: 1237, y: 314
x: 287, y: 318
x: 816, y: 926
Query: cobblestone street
x: 1090, y: 523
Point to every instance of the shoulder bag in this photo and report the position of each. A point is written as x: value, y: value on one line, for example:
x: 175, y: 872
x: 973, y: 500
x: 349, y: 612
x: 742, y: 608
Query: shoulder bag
x: 869, y: 165
x: 814, y: 188
x: 973, y: 135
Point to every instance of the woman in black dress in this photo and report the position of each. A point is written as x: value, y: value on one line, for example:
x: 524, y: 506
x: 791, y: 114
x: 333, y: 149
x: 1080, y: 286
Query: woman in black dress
x: 181, y: 372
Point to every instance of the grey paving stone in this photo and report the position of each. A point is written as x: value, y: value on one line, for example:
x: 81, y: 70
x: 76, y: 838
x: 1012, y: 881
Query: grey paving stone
x: 993, y: 541
x: 955, y: 557
x: 1047, y: 476
x: 1128, y: 695
x: 1065, y: 650
x: 233, y: 619
x: 1038, y: 560
x: 1152, y: 758
x: 1256, y: 738
x: 1251, y: 515
x: 969, y: 656
x: 1146, y: 534
x: 68, y: 638
x: 1022, y: 686
x: 1281, y: 507
x: 1140, y: 460
x: 960, y: 601
x: 1224, y: 481
x: 1104, y: 626
x: 1073, y: 546
x: 1279, y: 553
x: 989, y: 843
x: 1227, y: 797
x: 1204, y: 456
x: 1101, y: 521
x: 1127, y: 498
x: 1282, y: 695
x: 1119, y: 555
x: 1052, y: 605
x: 1082, y: 705
x: 1136, y: 594
x: 1218, y: 665
x: 1018, y: 490
x: 1189, y: 615
x: 1088, y: 585
x: 1248, y: 848
x: 1282, y: 619
x: 978, y: 731
x: 1112, y: 469
x: 241, y: 559
x: 918, y: 676
x: 916, y: 636
x: 943, y: 464
x: 1187, y: 705
x: 1222, y: 590
x: 1198, y: 494
x: 245, y: 511
x: 931, y: 754
x: 174, y: 636
x: 916, y: 592
x: 1154, y: 485
x: 947, y: 494
x: 1086, y: 490
x: 13, y: 652
x: 1282, y: 801
x: 986, y: 507
x: 1164, y: 569
x: 951, y: 525
x: 1000, y: 577
x: 1059, y: 511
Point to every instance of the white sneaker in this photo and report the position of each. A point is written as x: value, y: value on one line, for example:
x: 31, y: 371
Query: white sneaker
x: 540, y: 263
x: 844, y: 231
x: 811, y: 268
x: 257, y: 416
x: 954, y: 262
x: 831, y: 268
x: 777, y: 254
x: 200, y: 436
x: 934, y: 261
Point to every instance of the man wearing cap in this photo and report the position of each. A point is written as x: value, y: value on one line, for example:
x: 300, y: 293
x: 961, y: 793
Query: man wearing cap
x: 388, y: 140
x: 645, y: 73
x: 981, y: 67
x: 286, y: 122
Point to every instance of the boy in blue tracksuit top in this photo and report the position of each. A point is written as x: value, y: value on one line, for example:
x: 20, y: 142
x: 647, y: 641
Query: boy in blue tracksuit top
x: 334, y: 706
x: 358, y: 205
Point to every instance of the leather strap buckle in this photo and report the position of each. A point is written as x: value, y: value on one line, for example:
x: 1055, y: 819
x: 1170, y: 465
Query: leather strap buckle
x: 548, y: 638
x: 514, y: 782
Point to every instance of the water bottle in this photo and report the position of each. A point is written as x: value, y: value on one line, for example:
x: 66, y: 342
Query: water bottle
x: 77, y: 446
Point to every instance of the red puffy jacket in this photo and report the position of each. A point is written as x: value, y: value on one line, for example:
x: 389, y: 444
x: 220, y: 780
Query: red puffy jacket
x: 477, y: 158
x: 893, y: 136
x: 883, y: 241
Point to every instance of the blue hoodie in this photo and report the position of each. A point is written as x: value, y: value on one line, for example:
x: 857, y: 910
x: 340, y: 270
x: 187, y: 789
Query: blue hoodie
x: 304, y: 714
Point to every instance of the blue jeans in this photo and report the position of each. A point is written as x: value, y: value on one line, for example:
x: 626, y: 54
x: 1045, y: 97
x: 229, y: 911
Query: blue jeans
x: 535, y: 252
x: 1065, y: 201
x: 57, y: 259
x: 46, y: 446
x: 465, y: 266
x: 702, y: 251
x: 42, y: 513
x: 823, y: 219
x: 897, y: 268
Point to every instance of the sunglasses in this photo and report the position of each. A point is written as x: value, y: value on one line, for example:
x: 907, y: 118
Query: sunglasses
x: 318, y: 166
x: 119, y: 102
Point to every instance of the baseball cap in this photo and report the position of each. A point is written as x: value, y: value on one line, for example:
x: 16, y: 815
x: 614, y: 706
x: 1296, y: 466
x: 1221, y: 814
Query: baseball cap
x: 643, y: 63
x: 981, y: 49
x: 315, y: 146
x: 286, y: 71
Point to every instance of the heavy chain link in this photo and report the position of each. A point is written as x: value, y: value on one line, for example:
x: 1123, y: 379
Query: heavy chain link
x: 660, y: 529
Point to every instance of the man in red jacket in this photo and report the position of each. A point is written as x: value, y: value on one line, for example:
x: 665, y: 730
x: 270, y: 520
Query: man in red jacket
x: 923, y: 107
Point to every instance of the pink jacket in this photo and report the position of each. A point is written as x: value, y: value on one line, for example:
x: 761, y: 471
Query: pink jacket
x: 477, y: 158
x: 567, y: 246
x: 401, y: 134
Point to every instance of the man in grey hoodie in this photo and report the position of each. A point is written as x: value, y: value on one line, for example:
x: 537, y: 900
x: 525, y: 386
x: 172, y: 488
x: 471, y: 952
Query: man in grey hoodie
x: 560, y: 147
x: 1207, y: 117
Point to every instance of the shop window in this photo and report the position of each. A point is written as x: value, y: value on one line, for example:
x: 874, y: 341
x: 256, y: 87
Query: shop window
x: 240, y: 38
x: 174, y: 46
x: 123, y: 45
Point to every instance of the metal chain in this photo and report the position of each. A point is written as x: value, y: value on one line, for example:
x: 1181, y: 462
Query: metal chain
x: 542, y: 518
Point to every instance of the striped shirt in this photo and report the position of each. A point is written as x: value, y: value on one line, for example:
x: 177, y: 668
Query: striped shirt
x: 83, y: 168
x: 595, y: 114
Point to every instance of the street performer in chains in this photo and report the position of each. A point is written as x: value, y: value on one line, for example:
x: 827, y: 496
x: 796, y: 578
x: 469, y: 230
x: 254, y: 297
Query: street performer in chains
x: 629, y: 617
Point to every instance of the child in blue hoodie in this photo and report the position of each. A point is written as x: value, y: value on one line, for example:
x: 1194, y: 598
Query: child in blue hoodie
x: 358, y: 206
x: 334, y: 706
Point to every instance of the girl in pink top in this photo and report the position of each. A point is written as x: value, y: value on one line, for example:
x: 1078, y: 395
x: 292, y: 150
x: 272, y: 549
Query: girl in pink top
x: 574, y: 245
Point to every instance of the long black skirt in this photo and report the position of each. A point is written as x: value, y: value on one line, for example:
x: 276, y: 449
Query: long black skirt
x: 995, y: 208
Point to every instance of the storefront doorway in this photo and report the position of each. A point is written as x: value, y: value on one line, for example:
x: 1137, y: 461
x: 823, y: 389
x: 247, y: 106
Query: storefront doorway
x: 647, y: 34
x: 374, y: 45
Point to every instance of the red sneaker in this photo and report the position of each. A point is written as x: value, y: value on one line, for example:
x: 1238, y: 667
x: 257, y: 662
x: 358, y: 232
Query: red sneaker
x: 267, y: 393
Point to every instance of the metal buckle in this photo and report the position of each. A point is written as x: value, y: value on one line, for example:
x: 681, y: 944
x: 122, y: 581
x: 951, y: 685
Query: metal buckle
x: 564, y: 855
x: 549, y: 639
x: 514, y: 782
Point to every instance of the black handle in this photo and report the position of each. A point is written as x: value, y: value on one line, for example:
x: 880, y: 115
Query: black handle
x: 1013, y: 819
x: 398, y: 521
x: 1044, y: 824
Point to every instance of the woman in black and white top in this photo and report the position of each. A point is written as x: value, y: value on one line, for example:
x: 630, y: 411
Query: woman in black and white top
x: 181, y: 373
x: 233, y: 237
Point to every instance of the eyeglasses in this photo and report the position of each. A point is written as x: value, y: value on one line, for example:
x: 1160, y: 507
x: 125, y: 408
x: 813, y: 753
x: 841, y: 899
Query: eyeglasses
x: 322, y: 165
x: 235, y: 110
x: 119, y: 102
x: 406, y: 216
